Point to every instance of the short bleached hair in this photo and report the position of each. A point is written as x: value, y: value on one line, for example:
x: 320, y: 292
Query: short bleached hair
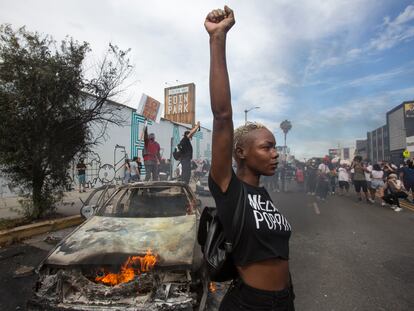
x: 241, y: 132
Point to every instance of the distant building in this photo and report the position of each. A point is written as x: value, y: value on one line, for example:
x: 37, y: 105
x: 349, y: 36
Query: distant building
x: 346, y: 153
x: 400, y: 123
x: 378, y: 145
x: 361, y: 148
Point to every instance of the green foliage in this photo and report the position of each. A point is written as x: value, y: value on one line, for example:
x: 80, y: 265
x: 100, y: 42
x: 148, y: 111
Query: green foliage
x: 47, y: 109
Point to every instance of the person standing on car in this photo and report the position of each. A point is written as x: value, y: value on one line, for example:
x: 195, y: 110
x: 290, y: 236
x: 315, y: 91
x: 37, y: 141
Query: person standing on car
x: 187, y: 153
x: 262, y: 255
x: 152, y: 156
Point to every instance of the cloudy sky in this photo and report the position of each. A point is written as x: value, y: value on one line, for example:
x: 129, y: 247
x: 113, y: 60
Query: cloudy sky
x: 333, y: 68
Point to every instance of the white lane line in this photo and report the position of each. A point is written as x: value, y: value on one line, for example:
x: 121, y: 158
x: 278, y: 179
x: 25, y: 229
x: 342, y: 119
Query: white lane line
x: 315, y: 206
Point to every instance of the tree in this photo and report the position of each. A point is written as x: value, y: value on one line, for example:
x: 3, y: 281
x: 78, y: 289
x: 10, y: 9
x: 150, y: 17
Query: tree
x: 286, y: 126
x: 48, y: 108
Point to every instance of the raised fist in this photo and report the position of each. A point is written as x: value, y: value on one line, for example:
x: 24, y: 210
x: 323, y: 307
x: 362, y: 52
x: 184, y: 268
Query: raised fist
x: 219, y: 21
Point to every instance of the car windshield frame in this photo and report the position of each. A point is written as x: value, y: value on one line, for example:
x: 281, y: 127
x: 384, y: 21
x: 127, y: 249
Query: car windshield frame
x: 149, y: 201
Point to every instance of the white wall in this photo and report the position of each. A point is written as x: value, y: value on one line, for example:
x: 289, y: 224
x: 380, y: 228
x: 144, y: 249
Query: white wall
x: 101, y: 160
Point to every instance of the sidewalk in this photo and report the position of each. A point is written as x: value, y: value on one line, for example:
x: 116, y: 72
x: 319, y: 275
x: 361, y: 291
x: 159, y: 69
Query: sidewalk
x: 69, y: 206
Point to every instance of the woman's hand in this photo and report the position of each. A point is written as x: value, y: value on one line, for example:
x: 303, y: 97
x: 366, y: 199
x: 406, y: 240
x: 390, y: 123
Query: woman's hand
x: 219, y: 21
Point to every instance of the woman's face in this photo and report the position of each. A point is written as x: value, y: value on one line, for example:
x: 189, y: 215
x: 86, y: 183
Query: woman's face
x: 260, y: 152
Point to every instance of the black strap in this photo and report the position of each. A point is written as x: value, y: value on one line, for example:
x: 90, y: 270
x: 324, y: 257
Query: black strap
x: 238, y: 220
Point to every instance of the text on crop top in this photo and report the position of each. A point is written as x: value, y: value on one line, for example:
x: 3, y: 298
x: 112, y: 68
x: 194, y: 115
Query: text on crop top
x: 266, y: 231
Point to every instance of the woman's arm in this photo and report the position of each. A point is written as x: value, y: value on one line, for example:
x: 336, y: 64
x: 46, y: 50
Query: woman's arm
x: 218, y: 23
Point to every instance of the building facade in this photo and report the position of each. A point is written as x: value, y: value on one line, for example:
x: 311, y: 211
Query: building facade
x: 344, y: 153
x: 361, y: 148
x: 400, y: 123
x: 105, y: 162
x: 378, y: 145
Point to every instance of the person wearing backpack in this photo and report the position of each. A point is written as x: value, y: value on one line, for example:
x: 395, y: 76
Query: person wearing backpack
x: 186, y: 153
x: 261, y: 256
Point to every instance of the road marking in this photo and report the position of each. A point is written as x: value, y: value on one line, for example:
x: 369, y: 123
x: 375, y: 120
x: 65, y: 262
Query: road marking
x: 407, y: 205
x: 315, y: 206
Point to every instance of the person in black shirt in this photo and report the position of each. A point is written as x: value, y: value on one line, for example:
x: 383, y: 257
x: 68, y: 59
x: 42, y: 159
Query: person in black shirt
x: 187, y: 153
x: 261, y: 256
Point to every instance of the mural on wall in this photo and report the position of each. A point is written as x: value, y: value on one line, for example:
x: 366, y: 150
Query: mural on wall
x: 175, y: 141
x: 137, y: 142
x: 98, y: 173
x: 198, y: 136
x: 207, y: 152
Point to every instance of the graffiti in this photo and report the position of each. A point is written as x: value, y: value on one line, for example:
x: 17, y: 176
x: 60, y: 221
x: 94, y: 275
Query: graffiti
x: 198, y: 136
x: 98, y: 174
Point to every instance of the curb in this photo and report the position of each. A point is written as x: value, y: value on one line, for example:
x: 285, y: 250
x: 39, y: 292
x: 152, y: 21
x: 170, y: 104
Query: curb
x: 13, y: 235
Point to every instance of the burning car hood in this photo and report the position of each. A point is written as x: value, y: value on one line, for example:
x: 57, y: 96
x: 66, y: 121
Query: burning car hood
x: 106, y: 239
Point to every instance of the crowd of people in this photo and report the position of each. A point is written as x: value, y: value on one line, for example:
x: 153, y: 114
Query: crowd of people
x: 158, y: 168
x: 383, y: 182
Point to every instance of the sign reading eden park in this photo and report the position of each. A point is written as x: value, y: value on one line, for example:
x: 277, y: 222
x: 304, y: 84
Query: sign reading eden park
x: 180, y: 103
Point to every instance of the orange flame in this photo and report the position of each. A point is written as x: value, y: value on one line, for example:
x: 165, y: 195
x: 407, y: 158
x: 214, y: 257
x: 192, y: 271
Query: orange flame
x: 212, y: 287
x: 128, y: 272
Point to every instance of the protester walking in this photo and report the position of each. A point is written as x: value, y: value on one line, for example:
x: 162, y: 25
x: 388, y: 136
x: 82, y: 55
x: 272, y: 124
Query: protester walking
x: 187, y: 153
x: 359, y: 180
x: 152, y: 156
x: 300, y: 179
x: 134, y: 170
x: 343, y: 179
x: 407, y: 176
x: 261, y: 256
x: 81, y: 170
x: 311, y: 176
x: 377, y: 183
x: 127, y: 172
x: 322, y: 188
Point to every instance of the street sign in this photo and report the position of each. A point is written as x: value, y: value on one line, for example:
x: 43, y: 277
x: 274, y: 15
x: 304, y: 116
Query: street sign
x: 406, y: 154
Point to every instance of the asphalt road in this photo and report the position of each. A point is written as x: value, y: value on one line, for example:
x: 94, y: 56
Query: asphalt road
x: 345, y: 255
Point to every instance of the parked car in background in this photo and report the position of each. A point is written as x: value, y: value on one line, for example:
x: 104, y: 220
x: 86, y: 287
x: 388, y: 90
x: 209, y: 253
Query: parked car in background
x: 202, y: 186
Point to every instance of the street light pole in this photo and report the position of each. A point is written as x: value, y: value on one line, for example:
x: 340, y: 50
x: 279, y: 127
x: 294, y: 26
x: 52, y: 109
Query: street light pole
x: 246, y: 111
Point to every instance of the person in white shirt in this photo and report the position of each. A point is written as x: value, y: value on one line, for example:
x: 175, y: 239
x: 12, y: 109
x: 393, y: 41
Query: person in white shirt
x: 134, y: 170
x: 323, y: 179
x: 377, y: 183
x: 368, y: 175
x: 343, y: 179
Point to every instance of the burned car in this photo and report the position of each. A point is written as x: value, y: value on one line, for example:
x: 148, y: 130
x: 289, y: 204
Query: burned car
x: 136, y: 251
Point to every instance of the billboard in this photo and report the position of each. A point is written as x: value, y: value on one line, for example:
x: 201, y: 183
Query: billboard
x: 409, y: 110
x: 408, y: 126
x: 180, y: 103
x: 148, y: 107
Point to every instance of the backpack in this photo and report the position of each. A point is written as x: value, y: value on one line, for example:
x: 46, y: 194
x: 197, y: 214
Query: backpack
x: 214, y: 245
x: 178, y: 153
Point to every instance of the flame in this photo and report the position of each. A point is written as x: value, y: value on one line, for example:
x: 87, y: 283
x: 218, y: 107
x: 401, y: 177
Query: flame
x: 212, y: 287
x: 134, y: 265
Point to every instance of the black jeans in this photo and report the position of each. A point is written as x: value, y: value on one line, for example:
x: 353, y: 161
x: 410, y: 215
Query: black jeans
x: 151, y: 168
x: 186, y: 170
x: 392, y: 198
x: 242, y: 297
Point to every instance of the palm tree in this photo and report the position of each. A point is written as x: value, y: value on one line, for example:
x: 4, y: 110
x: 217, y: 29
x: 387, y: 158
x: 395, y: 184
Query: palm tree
x: 286, y: 126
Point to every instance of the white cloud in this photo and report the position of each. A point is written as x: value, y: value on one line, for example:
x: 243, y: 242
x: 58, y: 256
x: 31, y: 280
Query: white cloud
x: 395, y: 31
x: 169, y: 43
x: 330, y: 53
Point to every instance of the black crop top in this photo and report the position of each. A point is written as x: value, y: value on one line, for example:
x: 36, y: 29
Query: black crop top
x: 266, y: 232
